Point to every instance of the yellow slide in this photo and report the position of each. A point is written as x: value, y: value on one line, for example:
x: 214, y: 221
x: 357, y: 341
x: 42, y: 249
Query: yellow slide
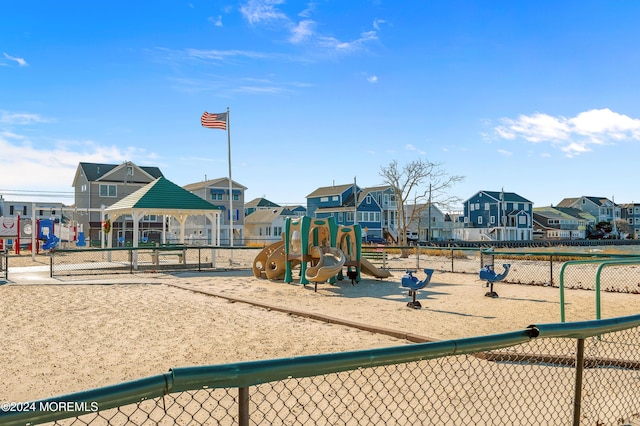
x: 330, y: 263
x: 262, y: 261
x: 368, y: 268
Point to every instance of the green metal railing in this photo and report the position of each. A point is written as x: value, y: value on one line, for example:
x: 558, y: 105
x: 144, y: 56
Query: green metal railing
x: 361, y: 387
x: 601, y: 264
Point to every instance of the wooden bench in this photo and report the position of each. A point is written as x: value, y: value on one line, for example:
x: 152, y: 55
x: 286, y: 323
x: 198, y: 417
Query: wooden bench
x: 380, y: 256
x: 156, y: 254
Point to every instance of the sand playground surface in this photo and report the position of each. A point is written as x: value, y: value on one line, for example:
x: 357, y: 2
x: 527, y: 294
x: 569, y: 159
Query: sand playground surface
x: 65, y: 335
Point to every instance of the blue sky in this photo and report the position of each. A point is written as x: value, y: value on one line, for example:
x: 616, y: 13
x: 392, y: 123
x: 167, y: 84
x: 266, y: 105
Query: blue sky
x: 538, y: 98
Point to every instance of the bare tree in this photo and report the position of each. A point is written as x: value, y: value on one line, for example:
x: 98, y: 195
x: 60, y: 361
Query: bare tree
x: 409, y: 179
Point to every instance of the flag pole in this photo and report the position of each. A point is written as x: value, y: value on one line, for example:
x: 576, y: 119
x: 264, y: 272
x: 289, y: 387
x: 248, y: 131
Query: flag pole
x: 230, y: 189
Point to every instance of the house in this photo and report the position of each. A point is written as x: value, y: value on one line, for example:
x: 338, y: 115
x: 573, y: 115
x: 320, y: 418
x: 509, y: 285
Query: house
x: 385, y: 197
x: 297, y: 210
x: 631, y: 214
x: 328, y: 197
x: 429, y: 223
x: 339, y: 202
x: 258, y: 204
x: 216, y: 192
x: 497, y: 216
x: 564, y: 223
x: 265, y: 226
x: 98, y: 186
x: 603, y: 209
x: 376, y: 209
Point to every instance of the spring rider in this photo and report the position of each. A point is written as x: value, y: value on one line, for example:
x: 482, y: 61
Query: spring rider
x: 413, y: 284
x: 487, y: 273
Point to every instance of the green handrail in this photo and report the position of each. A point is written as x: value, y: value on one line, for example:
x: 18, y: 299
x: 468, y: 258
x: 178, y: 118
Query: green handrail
x: 631, y: 260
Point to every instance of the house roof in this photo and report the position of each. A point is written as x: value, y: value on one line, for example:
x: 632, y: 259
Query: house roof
x: 260, y: 202
x: 329, y: 190
x: 95, y: 171
x: 505, y: 196
x: 213, y: 183
x: 569, y: 202
x: 162, y: 197
x: 266, y: 215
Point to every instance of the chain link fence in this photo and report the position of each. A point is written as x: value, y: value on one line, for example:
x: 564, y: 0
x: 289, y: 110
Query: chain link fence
x: 530, y: 268
x: 149, y: 259
x: 556, y: 374
x: 4, y: 264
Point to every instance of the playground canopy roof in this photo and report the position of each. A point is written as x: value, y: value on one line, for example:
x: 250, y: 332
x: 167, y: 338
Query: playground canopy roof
x: 162, y: 197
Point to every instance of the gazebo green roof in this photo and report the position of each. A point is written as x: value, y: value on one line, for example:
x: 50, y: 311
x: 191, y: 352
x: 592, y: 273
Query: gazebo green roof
x: 163, y: 197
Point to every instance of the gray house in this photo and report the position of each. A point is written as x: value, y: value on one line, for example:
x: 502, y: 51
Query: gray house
x: 603, y: 209
x: 216, y: 192
x: 98, y: 186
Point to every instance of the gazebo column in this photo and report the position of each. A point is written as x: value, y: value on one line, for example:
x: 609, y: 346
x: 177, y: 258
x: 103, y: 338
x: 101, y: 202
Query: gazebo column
x: 214, y: 219
x: 136, y: 227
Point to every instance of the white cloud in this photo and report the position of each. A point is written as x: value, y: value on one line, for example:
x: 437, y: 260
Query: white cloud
x: 20, y: 118
x: 410, y: 147
x: 257, y: 11
x: 20, y: 61
x: 505, y: 152
x: 348, y: 46
x: 377, y: 22
x: 267, y: 13
x: 303, y: 31
x: 216, y: 21
x: 372, y: 79
x: 573, y: 135
x: 51, y: 166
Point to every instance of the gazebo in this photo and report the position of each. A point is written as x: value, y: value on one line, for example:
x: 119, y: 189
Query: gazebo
x: 163, y: 197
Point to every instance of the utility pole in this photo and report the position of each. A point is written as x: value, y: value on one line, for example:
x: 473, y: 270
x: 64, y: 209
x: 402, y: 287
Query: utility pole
x: 429, y: 207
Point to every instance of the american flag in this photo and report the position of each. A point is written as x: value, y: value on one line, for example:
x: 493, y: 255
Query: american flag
x: 214, y: 121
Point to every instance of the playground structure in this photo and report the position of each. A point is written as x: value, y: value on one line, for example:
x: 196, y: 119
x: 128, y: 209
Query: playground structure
x: 412, y: 282
x: 45, y: 234
x: 488, y: 274
x: 321, y: 249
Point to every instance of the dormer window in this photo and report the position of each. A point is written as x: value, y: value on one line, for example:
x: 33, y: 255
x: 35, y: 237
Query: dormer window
x: 129, y: 170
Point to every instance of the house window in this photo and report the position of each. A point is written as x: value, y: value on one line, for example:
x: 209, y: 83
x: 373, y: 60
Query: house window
x: 108, y: 190
x: 349, y: 216
x: 236, y: 197
x: 340, y: 217
x: 471, y: 207
x: 10, y: 210
x: 216, y: 197
x: 83, y: 187
x: 522, y: 220
x: 324, y: 199
x: 150, y: 218
x: 129, y: 170
x: 493, y: 220
x: 486, y: 206
x: 334, y: 198
x: 479, y: 220
x: 477, y: 206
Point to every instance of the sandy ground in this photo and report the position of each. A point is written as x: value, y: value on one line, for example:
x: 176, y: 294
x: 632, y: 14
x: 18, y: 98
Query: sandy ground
x: 67, y: 335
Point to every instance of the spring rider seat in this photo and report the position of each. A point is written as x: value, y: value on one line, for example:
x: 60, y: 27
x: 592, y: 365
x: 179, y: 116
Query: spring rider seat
x: 413, y: 284
x: 487, y: 273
